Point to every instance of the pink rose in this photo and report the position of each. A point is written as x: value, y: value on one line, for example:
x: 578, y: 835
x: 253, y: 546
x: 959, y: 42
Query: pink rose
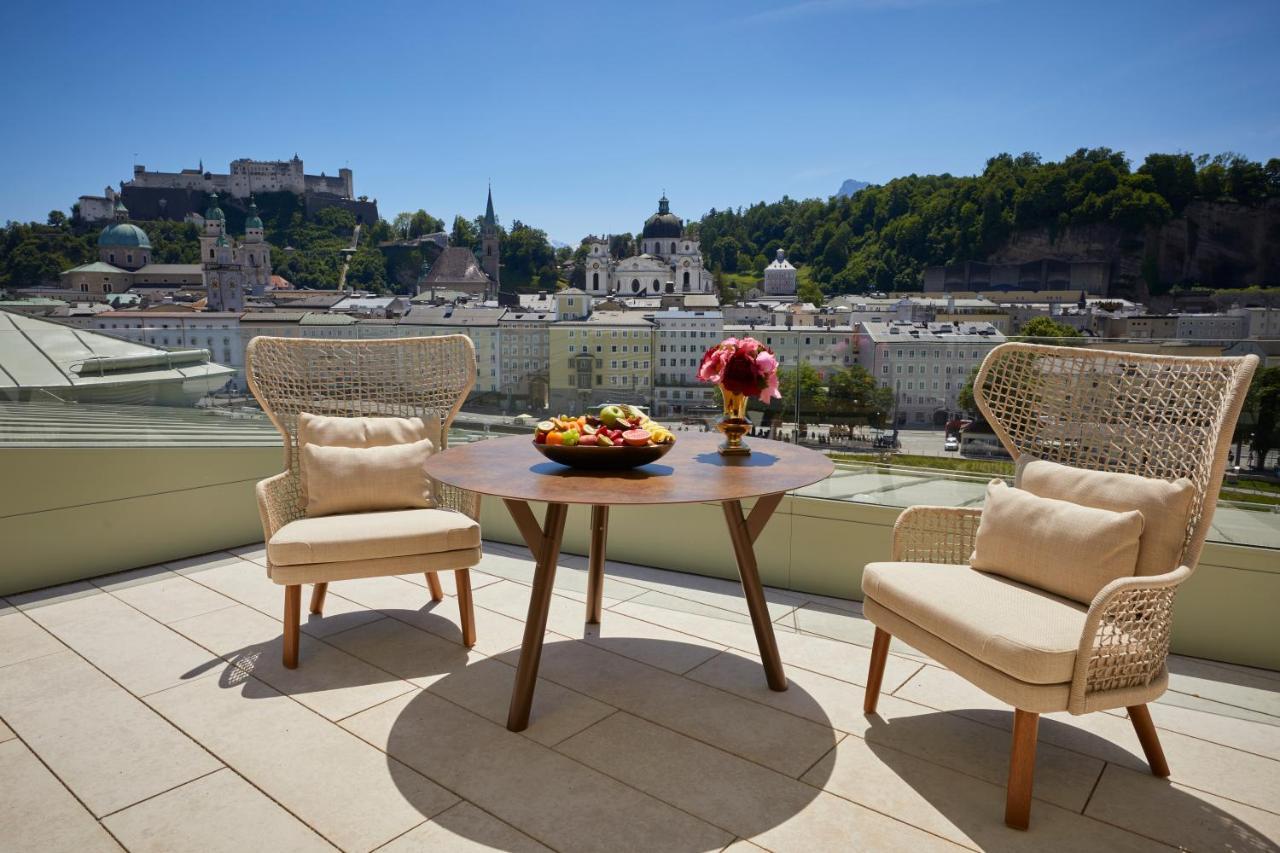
x: 766, y: 363
x: 770, y: 391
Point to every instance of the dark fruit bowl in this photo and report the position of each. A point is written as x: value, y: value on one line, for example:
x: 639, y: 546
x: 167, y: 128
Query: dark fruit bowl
x: 603, y: 458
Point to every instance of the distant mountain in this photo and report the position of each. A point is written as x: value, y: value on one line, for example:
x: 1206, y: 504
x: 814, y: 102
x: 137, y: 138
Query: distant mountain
x: 557, y: 244
x: 850, y: 187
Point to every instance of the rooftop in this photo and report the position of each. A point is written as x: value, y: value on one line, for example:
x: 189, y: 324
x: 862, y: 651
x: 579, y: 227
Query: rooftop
x: 653, y: 730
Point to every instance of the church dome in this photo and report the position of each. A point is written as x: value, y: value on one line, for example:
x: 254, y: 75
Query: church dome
x: 253, y: 220
x: 664, y: 223
x: 214, y: 212
x: 124, y: 234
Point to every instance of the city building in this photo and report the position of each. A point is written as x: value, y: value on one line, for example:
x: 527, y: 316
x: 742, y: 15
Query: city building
x: 926, y: 364
x: 681, y: 338
x: 219, y: 332
x: 525, y: 344
x: 480, y: 324
x: 667, y: 257
x: 780, y: 277
x: 606, y: 357
x: 827, y: 350
x: 457, y: 271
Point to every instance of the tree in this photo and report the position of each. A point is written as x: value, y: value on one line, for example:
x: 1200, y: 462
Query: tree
x: 464, y: 234
x: 1262, y: 408
x: 813, y: 397
x: 853, y: 393
x: 57, y: 218
x: 1046, y: 330
x: 400, y: 224
x: 424, y: 223
x: 964, y: 399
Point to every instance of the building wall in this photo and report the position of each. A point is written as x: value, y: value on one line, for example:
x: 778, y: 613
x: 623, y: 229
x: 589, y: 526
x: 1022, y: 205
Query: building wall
x: 96, y: 285
x: 216, y: 332
x: 623, y: 369
x: 681, y: 338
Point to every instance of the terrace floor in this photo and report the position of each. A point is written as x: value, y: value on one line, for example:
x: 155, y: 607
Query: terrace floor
x: 150, y: 710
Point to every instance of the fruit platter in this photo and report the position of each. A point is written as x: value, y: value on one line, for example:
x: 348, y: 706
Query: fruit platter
x: 620, y: 436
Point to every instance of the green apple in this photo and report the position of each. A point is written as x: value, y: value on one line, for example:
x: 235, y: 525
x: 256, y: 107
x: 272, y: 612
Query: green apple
x: 609, y: 415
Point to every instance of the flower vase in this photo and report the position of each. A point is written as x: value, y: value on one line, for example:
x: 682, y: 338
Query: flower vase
x: 734, y: 425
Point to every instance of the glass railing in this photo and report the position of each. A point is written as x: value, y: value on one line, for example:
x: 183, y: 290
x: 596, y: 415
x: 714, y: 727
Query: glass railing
x: 898, y: 428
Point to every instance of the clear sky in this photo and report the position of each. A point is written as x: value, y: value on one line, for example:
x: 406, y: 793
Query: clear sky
x: 582, y: 114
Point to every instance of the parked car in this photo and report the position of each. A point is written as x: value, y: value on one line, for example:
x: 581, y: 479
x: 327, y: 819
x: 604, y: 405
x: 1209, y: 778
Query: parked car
x: 952, y: 443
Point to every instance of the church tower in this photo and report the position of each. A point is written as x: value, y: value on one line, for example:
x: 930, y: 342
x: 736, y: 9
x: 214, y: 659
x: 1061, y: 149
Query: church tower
x: 489, y: 246
x: 223, y: 275
x: 256, y: 254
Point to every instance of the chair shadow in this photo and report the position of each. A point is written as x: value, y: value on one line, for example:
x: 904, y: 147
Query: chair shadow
x: 977, y: 807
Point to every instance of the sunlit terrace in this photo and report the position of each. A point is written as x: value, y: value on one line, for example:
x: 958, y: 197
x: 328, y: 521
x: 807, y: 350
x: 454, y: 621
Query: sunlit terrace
x: 145, y: 702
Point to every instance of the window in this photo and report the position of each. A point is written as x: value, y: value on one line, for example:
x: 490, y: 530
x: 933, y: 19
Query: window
x: 595, y: 281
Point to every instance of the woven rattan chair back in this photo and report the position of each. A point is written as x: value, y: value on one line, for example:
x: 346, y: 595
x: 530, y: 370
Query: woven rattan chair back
x: 1153, y: 415
x: 425, y: 377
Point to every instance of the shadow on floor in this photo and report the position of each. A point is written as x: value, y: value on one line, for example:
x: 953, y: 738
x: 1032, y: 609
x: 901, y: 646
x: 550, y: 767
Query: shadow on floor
x: 1152, y: 806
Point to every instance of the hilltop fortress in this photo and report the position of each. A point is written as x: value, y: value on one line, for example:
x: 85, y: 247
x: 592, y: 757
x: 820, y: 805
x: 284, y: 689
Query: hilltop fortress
x: 174, y: 195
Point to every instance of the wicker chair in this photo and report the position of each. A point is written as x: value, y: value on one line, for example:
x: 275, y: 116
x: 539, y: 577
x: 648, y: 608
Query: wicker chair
x: 409, y: 377
x: 1156, y: 416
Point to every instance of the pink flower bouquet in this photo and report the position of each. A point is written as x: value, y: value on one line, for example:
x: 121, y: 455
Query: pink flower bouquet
x: 743, y: 366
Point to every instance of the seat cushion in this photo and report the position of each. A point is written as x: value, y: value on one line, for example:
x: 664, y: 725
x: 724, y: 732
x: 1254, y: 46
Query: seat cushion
x: 372, y: 535
x: 1024, y: 632
x: 334, y: 431
x: 1165, y: 504
x: 1054, y: 545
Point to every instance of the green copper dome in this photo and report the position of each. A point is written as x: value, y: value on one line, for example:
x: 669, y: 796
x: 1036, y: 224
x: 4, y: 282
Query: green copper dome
x: 214, y: 212
x: 124, y: 234
x: 253, y: 221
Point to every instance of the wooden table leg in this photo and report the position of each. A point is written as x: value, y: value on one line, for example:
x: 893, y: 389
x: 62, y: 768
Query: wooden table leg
x: 743, y: 531
x: 595, y: 563
x: 544, y: 542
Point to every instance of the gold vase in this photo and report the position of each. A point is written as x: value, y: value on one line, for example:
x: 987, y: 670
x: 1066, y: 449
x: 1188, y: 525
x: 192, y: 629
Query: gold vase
x: 734, y: 425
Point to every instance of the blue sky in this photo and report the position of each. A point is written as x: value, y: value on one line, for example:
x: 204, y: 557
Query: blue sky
x: 583, y: 113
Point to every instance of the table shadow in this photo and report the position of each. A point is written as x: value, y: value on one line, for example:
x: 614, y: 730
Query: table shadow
x: 757, y: 459
x: 642, y: 472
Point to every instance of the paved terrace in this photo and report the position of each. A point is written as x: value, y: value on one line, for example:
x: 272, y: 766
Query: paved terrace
x: 150, y: 710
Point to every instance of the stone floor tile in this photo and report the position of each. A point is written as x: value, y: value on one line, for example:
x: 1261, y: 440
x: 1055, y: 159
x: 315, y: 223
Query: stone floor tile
x: 1246, y: 689
x: 1173, y: 698
x: 750, y: 801
x: 37, y: 814
x: 464, y: 829
x: 256, y: 553
x: 714, y: 606
x: 617, y: 632
x: 248, y: 584
x: 134, y: 649
x: 1196, y: 762
x: 1260, y: 738
x: 847, y: 626
x: 571, y: 576
x: 955, y: 806
x: 817, y: 697
x: 552, y: 798
x: 980, y: 749
x: 327, y: 680
x: 782, y: 741
x: 482, y: 685
x: 51, y: 596
x: 341, y: 787
x: 6, y: 733
x: 104, y: 744
x: 696, y: 619
x: 219, y: 812
x: 1180, y: 816
x: 22, y: 639
x: 162, y: 594
x: 478, y: 579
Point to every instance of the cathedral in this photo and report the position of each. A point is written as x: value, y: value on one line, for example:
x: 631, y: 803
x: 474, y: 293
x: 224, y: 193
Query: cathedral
x: 230, y: 268
x: 668, y: 261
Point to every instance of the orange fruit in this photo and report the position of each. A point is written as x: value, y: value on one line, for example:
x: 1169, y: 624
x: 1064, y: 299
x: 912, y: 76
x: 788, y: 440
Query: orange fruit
x: 555, y: 438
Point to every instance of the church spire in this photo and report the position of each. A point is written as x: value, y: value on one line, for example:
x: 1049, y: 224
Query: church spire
x: 489, y: 219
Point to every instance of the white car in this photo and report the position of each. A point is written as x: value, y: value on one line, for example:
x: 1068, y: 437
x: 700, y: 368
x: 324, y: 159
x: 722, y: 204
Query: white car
x: 952, y: 443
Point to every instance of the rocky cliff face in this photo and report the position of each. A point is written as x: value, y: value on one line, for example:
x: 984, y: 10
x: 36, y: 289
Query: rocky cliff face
x: 1217, y: 244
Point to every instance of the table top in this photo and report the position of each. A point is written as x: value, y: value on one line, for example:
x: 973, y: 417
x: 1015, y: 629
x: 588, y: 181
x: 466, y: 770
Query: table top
x: 691, y: 472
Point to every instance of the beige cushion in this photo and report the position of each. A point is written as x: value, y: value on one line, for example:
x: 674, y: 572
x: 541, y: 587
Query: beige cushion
x: 365, y: 479
x: 342, y: 570
x: 1024, y: 632
x: 1165, y: 505
x: 1054, y: 545
x: 354, y: 482
x: 371, y: 535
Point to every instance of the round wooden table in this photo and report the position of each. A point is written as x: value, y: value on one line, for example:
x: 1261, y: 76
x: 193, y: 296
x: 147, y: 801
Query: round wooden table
x: 691, y: 472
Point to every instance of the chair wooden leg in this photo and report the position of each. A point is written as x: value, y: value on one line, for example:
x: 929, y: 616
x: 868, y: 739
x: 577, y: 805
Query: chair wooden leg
x: 466, y: 610
x: 1141, y: 719
x: 1022, y: 769
x: 292, y: 616
x: 875, y: 674
x: 433, y: 583
x: 317, y: 598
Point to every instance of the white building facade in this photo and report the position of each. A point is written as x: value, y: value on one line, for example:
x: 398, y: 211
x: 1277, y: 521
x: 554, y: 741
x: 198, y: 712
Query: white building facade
x: 667, y: 256
x: 681, y: 337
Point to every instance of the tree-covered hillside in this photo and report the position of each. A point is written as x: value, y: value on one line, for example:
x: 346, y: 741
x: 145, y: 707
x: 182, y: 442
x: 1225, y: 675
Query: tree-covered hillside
x: 884, y: 236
